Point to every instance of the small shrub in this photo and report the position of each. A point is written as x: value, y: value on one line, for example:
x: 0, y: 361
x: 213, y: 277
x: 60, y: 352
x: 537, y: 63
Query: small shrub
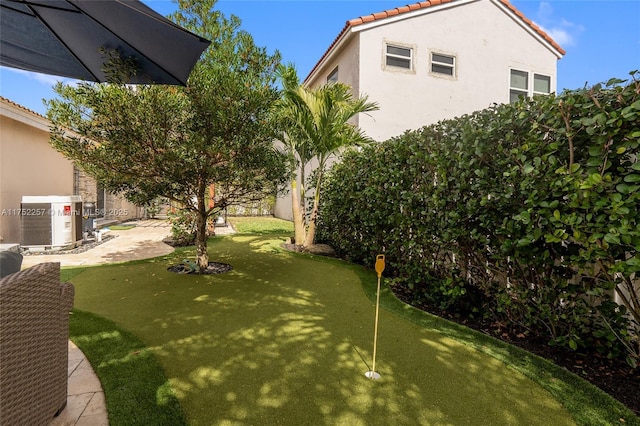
x: 183, y: 227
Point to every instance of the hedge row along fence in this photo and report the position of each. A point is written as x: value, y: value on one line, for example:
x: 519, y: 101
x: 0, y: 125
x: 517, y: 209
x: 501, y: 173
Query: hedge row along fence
x: 526, y: 214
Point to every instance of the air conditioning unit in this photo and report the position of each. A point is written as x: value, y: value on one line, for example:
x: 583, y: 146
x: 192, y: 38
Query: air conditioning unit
x: 50, y: 222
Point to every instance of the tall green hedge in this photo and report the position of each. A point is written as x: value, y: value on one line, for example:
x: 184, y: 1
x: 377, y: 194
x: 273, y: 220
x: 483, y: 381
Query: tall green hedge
x: 525, y: 213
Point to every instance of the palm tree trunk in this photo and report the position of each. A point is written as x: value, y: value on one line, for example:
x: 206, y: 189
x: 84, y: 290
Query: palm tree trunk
x: 311, y: 230
x: 298, y: 222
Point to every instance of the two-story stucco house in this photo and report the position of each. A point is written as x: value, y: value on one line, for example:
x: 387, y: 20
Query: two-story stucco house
x: 30, y: 167
x: 434, y: 60
x: 438, y: 59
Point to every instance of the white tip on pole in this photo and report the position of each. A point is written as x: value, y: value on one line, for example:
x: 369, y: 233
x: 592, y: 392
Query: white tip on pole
x: 372, y: 374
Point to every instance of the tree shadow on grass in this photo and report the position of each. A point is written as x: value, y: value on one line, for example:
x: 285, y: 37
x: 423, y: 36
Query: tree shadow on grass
x: 136, y: 389
x: 286, y: 339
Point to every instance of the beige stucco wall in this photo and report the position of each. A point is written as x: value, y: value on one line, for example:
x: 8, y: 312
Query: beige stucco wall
x: 28, y: 166
x: 85, y: 186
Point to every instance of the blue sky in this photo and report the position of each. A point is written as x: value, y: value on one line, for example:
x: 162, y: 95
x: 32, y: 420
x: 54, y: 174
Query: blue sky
x: 601, y: 37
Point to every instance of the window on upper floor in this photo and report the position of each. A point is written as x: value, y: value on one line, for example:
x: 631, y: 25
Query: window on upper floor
x: 398, y: 56
x: 333, y: 76
x: 520, y: 84
x: 443, y: 64
x: 541, y: 84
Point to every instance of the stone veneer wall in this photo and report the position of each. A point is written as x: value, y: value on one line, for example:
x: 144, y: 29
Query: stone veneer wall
x: 115, y: 207
x: 85, y: 186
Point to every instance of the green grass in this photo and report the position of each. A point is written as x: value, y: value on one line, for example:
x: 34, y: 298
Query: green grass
x: 285, y: 338
x: 136, y: 389
x: 587, y: 404
x: 121, y: 227
x: 261, y: 225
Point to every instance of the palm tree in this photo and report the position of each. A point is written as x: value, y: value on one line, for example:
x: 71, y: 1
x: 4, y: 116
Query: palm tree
x: 316, y: 123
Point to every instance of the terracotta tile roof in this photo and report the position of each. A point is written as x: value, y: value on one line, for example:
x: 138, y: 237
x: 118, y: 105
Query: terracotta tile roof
x: 25, y: 109
x: 533, y: 26
x: 422, y: 5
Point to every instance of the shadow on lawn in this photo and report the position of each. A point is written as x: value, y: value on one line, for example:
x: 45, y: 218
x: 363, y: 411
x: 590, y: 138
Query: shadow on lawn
x: 136, y: 390
x: 286, y: 339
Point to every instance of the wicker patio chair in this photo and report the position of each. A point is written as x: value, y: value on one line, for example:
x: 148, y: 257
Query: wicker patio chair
x: 34, y: 333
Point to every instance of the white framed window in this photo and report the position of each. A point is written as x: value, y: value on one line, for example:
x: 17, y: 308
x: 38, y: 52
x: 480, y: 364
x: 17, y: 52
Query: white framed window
x: 333, y: 76
x: 443, y: 64
x: 541, y: 84
x: 398, y: 56
x: 524, y: 83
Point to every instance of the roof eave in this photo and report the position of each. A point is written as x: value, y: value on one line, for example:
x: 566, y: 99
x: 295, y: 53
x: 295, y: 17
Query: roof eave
x: 331, y: 51
x: 23, y: 115
x: 411, y: 10
x: 530, y: 27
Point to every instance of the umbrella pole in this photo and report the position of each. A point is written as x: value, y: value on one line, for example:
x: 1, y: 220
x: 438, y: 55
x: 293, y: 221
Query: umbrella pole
x: 373, y: 375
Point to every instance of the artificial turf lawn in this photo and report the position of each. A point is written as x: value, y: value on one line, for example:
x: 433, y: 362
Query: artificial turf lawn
x: 286, y: 339
x: 121, y: 227
x: 135, y: 387
x: 261, y: 225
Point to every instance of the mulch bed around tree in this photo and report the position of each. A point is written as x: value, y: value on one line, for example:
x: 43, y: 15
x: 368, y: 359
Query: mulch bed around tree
x: 614, y: 377
x: 186, y: 267
x: 213, y: 269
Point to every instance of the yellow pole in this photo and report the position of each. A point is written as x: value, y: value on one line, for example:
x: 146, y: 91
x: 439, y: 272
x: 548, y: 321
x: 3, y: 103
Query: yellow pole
x: 379, y: 268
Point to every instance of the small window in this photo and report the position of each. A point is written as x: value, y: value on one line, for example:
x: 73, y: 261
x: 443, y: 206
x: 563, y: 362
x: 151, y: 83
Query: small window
x: 443, y: 64
x: 398, y: 57
x: 541, y: 84
x: 519, y: 85
x: 333, y: 76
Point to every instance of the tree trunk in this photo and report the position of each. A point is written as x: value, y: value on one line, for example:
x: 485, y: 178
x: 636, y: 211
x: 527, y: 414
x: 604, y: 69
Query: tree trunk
x: 298, y: 223
x: 311, y: 230
x: 201, y: 231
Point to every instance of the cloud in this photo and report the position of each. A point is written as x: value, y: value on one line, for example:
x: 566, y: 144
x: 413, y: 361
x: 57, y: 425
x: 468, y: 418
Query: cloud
x: 45, y: 79
x: 563, y: 31
x: 560, y: 35
x: 545, y: 11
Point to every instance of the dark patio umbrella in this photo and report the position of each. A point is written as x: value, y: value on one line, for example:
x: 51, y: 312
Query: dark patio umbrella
x: 69, y: 38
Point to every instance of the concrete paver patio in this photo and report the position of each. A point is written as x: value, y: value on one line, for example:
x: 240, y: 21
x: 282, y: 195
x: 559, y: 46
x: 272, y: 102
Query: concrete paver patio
x: 143, y: 241
x: 85, y: 398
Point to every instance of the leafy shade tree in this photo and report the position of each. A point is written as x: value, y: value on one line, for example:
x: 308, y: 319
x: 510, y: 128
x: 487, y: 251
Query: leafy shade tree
x: 317, y: 125
x: 150, y: 141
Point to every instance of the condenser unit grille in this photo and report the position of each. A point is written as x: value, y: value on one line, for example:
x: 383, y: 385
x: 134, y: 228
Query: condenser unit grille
x: 35, y: 224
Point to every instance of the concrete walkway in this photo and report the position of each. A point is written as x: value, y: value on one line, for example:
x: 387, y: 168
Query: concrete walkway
x: 144, y: 241
x: 85, y: 401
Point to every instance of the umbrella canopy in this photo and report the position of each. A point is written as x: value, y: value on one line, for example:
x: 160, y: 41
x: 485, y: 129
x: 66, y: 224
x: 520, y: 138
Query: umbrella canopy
x: 70, y: 38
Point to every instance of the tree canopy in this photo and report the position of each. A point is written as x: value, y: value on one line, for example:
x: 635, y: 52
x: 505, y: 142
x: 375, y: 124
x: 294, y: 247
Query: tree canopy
x: 155, y: 140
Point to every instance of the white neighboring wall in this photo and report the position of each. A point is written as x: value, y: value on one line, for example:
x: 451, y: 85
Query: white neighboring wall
x: 485, y: 38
